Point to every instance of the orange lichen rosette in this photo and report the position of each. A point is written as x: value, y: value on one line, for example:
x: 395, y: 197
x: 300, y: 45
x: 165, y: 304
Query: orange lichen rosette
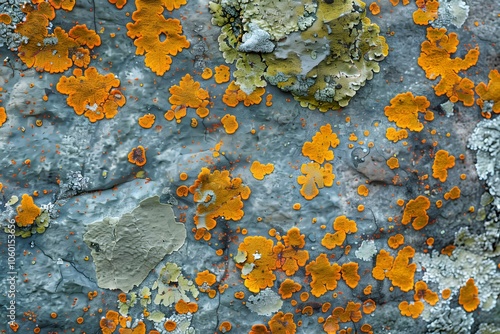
x: 137, y: 156
x: 217, y: 195
x: 442, y: 162
x: 468, y: 297
x: 416, y: 210
x: 261, y: 262
x: 318, y: 149
x: 27, y: 211
x: 315, y: 177
x: 92, y: 94
x: 324, y: 275
x: 489, y: 95
x: 260, y: 170
x: 404, y: 111
x: 154, y: 35
x: 3, y: 116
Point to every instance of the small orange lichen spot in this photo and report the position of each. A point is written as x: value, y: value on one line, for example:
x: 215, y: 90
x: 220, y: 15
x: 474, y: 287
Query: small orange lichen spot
x: 393, y: 163
x: 422, y: 292
x: 288, y: 287
x: 411, y: 310
x: 38, y: 122
x: 468, y: 297
x: 395, y: 241
x: 442, y: 162
x: 439, y: 203
x: 207, y: 73
x: 324, y: 275
x: 155, y: 36
x: 427, y: 12
x: 53, y: 315
x: 453, y: 194
x: 383, y: 264
x: 183, y: 176
x: 318, y: 149
x: 27, y: 211
x: 416, y: 209
x: 304, y: 296
x: 122, y: 297
x: 361, y: 208
x: 217, y: 194
x: 282, y: 323
x: 463, y: 176
x: 259, y: 170
x: 448, y: 250
x: 400, y: 202
x: 325, y: 307
x: 259, y: 329
x: 170, y: 325
x: 489, y: 95
x: 230, y: 124
x: 404, y: 111
x: 239, y: 295
x: 369, y: 306
x: 92, y: 94
x: 314, y: 177
x: 137, y: 156
x: 396, y: 135
x: 14, y: 326
x: 183, y: 307
x: 366, y: 328
x: 67, y: 5
x: 374, y: 8
x: 222, y: 74
x: 331, y: 325
x: 5, y: 18
x: 118, y: 3
x: 430, y: 241
x: 147, y: 121
x: 367, y: 290
x: 429, y: 116
x: 3, y: 116
x: 296, y: 206
x: 435, y: 59
x: 194, y: 122
x: 350, y: 275
x: 363, y: 190
x: 79, y: 320
x: 219, y: 252
x: 402, y: 272
x: 446, y: 293
x: 225, y: 326
x: 353, y: 137
x: 204, y: 279
x: 269, y: 100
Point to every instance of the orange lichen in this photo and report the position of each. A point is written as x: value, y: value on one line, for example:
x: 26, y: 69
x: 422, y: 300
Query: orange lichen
x: 230, y: 123
x: 204, y: 279
x: 374, y: 8
x: 468, y: 297
x: 259, y: 329
x: 363, y: 190
x: 261, y: 260
x: 404, y: 111
x: 156, y: 37
x: 331, y: 325
x: 402, y: 272
x: 448, y: 250
x: 137, y: 156
x: 369, y: 306
x: 182, y: 191
x: 422, y: 292
x: 435, y: 59
x: 118, y: 3
x: 92, y: 94
x: 222, y: 74
x: 411, y: 310
x: 343, y: 226
x: 207, y: 73
x: 383, y: 264
x: 392, y: 163
x: 288, y: 287
x: 85, y: 36
x: 350, y: 275
x: 27, y: 211
x: 225, y: 326
x: 67, y: 5
x: 5, y: 18
x: 350, y: 313
x: 446, y: 293
x: 427, y: 12
x: 109, y: 323
x: 290, y: 256
x: 147, y: 121
x: 416, y: 210
x: 259, y: 170
x: 396, y: 135
x: 234, y: 95
x: 442, y: 162
x: 282, y: 323
x: 183, y: 307
x: 395, y: 241
x: 3, y: 116
x: 314, y: 177
x: 489, y: 95
x: 188, y: 94
x: 239, y: 295
x: 453, y: 194
x: 170, y: 325
x: 324, y: 275
x: 217, y: 195
x: 368, y: 289
x: 318, y: 149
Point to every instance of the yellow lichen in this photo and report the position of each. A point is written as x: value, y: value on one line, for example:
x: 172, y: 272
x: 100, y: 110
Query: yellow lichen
x: 324, y: 275
x: 315, y: 177
x: 318, y: 149
x: 442, y: 162
x: 404, y: 111
x: 416, y: 209
x: 259, y: 170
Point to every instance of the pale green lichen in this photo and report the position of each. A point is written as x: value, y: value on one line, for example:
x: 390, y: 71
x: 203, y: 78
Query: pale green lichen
x: 126, y: 249
x: 172, y: 286
x: 323, y: 52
